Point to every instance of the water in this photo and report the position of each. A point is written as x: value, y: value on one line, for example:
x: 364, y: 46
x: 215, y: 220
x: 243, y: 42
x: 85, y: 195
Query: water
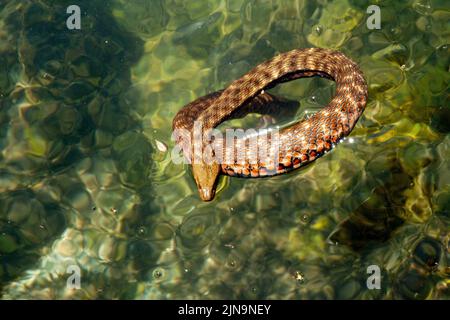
x: 87, y: 181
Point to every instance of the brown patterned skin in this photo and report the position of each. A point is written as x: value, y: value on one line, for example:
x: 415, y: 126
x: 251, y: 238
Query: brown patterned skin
x: 300, y: 143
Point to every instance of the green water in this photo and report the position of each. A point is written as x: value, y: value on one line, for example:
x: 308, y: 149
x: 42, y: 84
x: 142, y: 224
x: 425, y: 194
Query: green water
x: 86, y: 180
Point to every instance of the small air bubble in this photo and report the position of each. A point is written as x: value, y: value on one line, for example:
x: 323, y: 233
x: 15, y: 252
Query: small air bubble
x: 318, y: 30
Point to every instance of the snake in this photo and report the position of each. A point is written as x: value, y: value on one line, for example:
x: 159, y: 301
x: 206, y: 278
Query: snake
x: 296, y: 144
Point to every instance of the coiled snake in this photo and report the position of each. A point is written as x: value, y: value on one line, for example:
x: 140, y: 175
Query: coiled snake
x: 295, y: 145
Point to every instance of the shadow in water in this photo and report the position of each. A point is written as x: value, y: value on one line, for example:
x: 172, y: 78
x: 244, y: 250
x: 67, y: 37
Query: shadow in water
x: 69, y: 88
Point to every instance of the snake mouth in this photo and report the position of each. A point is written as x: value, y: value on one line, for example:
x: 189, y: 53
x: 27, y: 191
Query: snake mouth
x: 205, y: 176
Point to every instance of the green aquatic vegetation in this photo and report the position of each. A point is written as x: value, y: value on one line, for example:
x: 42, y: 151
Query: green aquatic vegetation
x: 84, y: 178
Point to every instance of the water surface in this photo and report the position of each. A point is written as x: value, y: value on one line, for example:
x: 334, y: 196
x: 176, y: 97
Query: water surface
x: 86, y: 180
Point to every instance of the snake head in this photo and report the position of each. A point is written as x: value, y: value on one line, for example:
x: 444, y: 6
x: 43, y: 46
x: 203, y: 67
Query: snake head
x: 205, y: 176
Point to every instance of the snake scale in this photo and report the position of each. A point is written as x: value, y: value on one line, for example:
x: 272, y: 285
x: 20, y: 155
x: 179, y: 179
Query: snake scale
x: 297, y: 144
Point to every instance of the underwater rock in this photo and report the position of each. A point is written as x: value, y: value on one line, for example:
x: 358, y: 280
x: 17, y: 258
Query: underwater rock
x: 82, y: 138
x: 380, y: 75
x: 112, y: 249
x: 428, y: 253
x: 234, y: 5
x: 8, y: 243
x: 161, y: 146
x: 349, y: 290
x: 441, y: 119
x: 411, y: 284
x: 415, y: 157
x: 196, y: 231
x: 162, y: 231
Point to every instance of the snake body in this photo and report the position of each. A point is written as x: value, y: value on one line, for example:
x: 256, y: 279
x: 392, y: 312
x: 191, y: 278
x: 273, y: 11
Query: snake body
x: 298, y: 144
